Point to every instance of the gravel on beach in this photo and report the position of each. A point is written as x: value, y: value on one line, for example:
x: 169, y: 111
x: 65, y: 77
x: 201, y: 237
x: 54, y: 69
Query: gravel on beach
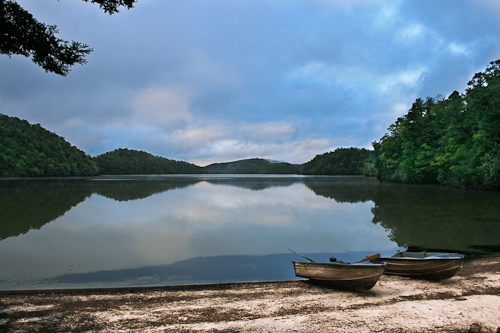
x: 467, y: 302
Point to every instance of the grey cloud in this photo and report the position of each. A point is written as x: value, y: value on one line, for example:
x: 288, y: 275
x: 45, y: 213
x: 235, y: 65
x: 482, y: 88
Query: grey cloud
x: 336, y: 73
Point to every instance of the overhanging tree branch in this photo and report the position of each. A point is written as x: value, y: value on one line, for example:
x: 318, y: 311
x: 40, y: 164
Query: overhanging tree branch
x: 22, y: 34
x: 111, y: 6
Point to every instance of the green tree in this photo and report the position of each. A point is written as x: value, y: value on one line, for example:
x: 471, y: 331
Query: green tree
x: 22, y: 34
x: 31, y: 151
x: 451, y: 141
x: 252, y: 166
x: 134, y: 162
x: 342, y: 161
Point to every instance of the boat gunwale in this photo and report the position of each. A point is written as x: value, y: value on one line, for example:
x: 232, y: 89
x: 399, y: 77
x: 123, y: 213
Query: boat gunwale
x: 424, y: 255
x: 424, y: 265
x: 420, y: 259
x: 343, y: 264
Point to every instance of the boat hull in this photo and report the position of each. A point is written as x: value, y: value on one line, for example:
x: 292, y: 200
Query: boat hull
x: 340, y: 276
x: 429, y: 266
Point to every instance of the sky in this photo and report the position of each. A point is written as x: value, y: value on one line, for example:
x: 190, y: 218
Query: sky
x: 208, y: 81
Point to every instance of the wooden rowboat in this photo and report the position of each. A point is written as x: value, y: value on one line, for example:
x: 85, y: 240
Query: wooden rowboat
x: 423, y: 265
x: 346, y: 276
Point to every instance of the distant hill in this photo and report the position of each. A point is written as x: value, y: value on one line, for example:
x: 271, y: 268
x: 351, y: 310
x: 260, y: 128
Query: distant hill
x: 135, y: 162
x: 252, y: 166
x: 31, y: 151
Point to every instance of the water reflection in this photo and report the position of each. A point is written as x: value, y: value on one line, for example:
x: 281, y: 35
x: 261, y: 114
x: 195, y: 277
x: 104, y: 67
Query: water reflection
x: 26, y: 205
x: 207, y: 229
x: 424, y: 217
x: 440, y: 218
x: 29, y: 204
x: 199, y: 270
x: 345, y: 189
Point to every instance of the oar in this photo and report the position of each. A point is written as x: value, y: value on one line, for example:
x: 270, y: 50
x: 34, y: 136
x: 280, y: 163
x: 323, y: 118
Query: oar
x: 303, y: 256
x: 375, y: 256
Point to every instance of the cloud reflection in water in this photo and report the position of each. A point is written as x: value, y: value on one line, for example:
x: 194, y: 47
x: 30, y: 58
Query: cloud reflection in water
x: 207, y: 219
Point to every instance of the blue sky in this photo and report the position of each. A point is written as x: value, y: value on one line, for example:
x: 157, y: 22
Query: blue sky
x: 207, y: 81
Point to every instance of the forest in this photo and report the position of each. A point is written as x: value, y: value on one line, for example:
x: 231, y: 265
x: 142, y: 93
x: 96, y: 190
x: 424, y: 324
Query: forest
x: 342, y: 161
x: 253, y: 166
x: 134, y: 162
x: 31, y: 151
x: 450, y: 141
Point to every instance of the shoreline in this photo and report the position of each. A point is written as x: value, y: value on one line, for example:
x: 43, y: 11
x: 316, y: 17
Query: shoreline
x: 469, y: 300
x: 143, y: 289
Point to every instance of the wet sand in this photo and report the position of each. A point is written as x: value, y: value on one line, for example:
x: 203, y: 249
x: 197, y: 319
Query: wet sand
x: 467, y: 302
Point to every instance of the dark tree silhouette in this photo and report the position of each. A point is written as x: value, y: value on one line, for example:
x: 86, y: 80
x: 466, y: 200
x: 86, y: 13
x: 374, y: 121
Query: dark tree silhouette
x: 22, y: 34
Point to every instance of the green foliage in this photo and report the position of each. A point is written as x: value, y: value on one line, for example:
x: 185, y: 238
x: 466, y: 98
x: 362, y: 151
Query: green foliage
x: 342, y: 161
x: 22, y: 34
x: 134, y: 162
x: 452, y: 141
x: 283, y: 168
x: 369, y: 166
x: 32, y: 151
x: 111, y: 6
x: 252, y: 166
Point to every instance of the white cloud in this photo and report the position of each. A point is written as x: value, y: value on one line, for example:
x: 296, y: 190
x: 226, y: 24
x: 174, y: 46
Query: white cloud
x: 456, y: 48
x: 162, y: 103
x: 223, y: 80
x: 296, y: 151
x: 411, y: 33
x: 211, y: 132
x: 392, y: 82
x: 272, y: 129
x: 199, y: 135
x: 387, y: 14
x: 357, y: 77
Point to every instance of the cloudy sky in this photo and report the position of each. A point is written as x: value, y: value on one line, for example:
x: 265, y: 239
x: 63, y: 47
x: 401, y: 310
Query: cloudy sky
x: 209, y: 81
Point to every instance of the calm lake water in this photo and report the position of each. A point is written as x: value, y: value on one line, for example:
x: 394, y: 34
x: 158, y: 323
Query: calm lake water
x: 166, y: 230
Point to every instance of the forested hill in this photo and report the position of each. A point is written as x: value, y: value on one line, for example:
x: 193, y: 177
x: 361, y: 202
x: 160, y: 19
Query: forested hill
x: 454, y: 140
x: 342, y: 161
x: 252, y: 166
x: 32, y: 151
x: 134, y: 162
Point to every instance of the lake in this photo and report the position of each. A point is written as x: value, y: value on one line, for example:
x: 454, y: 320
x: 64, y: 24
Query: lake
x: 167, y: 230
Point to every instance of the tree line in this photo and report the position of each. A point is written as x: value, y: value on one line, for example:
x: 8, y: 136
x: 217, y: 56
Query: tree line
x: 134, y: 162
x: 28, y: 150
x: 253, y: 166
x: 130, y: 162
x: 342, y: 161
x: 451, y: 141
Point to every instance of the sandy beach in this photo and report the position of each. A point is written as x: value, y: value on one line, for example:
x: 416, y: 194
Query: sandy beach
x: 467, y: 302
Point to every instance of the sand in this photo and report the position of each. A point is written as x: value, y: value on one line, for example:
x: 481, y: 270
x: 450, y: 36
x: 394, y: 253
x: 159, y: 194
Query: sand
x: 467, y: 302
